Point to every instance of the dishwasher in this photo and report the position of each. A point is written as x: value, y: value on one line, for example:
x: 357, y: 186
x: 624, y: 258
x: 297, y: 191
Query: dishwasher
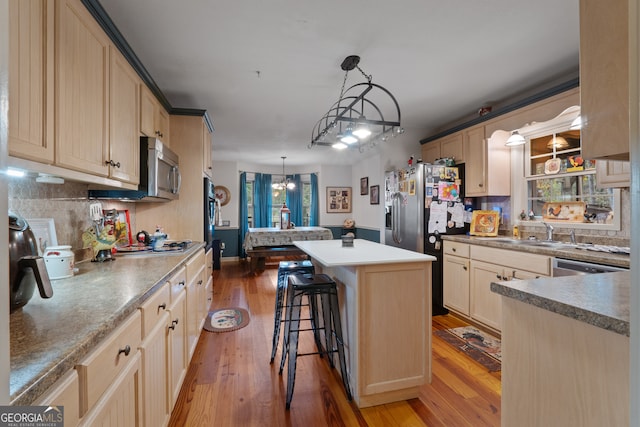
x: 569, y: 267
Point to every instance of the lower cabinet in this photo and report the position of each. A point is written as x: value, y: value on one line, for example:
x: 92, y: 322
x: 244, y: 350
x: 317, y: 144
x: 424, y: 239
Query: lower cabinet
x: 65, y: 393
x: 177, y: 338
x: 469, y: 270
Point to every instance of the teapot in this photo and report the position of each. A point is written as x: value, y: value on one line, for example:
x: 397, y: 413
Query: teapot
x: 26, y: 268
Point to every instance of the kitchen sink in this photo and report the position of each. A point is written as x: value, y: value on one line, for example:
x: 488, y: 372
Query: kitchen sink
x: 538, y: 243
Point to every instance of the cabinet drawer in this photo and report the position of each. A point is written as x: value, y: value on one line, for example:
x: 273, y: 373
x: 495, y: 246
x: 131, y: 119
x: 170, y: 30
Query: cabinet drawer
x: 194, y: 265
x: 534, y: 263
x: 99, y: 369
x: 177, y: 283
x: 154, y: 308
x: 65, y: 392
x: 456, y: 248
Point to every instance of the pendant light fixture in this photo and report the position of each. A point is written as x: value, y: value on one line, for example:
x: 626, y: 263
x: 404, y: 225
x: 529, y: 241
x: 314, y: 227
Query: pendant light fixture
x: 285, y: 183
x: 515, y: 139
x: 369, y: 112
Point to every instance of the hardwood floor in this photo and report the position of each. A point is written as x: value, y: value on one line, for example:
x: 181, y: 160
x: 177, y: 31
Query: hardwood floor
x: 231, y: 383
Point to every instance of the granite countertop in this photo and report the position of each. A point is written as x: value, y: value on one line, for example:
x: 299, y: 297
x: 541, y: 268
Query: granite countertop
x: 601, y: 300
x: 331, y: 253
x: 575, y: 253
x: 50, y: 336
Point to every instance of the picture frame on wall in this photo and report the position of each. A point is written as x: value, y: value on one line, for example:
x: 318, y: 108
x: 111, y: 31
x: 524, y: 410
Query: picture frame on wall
x: 364, y: 186
x: 338, y: 199
x: 374, y: 195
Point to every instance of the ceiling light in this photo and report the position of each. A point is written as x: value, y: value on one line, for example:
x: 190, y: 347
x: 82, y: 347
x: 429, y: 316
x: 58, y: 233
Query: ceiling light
x: 557, y: 142
x: 15, y: 172
x: 285, y: 183
x: 515, y: 139
x: 576, y: 123
x: 357, y: 101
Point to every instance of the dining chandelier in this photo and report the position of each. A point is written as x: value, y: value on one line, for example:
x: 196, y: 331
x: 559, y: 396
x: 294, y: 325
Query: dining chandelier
x: 285, y: 183
x: 357, y: 120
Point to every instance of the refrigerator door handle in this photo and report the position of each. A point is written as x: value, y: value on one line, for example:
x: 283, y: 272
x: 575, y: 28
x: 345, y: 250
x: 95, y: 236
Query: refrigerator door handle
x: 395, y: 225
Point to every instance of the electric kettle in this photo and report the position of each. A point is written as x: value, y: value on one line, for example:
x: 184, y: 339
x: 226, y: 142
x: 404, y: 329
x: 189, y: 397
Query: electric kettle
x: 26, y: 268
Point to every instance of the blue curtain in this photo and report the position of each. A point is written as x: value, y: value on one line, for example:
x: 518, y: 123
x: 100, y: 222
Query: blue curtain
x: 294, y: 200
x: 244, y: 213
x: 262, y: 200
x: 314, y: 217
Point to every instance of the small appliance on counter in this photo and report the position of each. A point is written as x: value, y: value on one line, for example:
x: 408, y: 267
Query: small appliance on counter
x: 26, y: 268
x: 59, y: 261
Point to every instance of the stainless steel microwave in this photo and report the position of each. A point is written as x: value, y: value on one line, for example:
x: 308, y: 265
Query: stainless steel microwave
x: 159, y: 175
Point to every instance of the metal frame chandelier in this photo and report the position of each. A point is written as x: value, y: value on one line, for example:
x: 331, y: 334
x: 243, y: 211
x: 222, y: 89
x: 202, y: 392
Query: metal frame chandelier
x: 356, y: 120
x: 285, y: 183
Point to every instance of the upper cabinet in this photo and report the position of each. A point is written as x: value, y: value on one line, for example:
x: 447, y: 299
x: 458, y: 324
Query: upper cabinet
x: 488, y: 168
x: 613, y: 174
x: 449, y: 146
x: 154, y: 119
x: 31, y: 79
x: 207, y: 148
x: 82, y: 48
x: 604, y: 78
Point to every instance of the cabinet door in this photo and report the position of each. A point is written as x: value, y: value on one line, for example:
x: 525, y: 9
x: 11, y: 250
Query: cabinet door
x: 475, y: 149
x: 456, y: 283
x: 452, y: 146
x: 522, y: 274
x: 82, y: 49
x: 121, y: 405
x: 65, y: 392
x: 147, y: 111
x: 604, y: 79
x: 613, y: 174
x: 485, y: 306
x: 124, y: 146
x: 207, y: 148
x: 162, y: 124
x: 155, y: 381
x: 31, y: 79
x: 176, y: 347
x: 431, y: 151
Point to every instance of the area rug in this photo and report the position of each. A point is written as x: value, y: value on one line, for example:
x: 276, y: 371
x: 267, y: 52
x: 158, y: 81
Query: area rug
x: 479, y: 345
x: 226, y: 319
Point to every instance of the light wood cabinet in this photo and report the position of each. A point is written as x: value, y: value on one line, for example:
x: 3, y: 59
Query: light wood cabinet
x: 154, y: 119
x: 155, y: 383
x: 613, y: 174
x: 468, y: 271
x: 65, y: 392
x: 450, y: 146
x: 456, y: 285
x: 604, y: 79
x: 124, y: 105
x: 31, y: 79
x: 195, y: 268
x: 82, y: 90
x: 177, y: 336
x: 207, y: 148
x: 121, y: 405
x: 110, y: 378
x: 488, y: 165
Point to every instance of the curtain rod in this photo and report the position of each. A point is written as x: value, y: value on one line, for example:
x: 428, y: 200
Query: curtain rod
x: 306, y: 173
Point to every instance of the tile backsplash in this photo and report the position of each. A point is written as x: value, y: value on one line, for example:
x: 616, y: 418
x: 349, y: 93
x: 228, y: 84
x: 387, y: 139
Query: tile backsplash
x: 67, y: 204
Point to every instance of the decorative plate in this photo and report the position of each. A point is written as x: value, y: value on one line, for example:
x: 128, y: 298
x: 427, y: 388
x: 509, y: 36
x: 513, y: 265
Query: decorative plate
x: 222, y: 193
x: 552, y: 166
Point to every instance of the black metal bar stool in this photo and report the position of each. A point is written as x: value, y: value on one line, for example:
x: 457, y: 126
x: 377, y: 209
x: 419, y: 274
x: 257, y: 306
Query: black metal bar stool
x: 313, y: 286
x: 285, y: 268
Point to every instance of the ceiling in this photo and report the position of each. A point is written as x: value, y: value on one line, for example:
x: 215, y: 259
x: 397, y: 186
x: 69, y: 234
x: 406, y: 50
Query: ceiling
x: 267, y: 71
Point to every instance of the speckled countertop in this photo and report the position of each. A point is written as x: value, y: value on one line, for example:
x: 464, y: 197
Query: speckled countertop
x: 580, y: 254
x: 50, y: 336
x: 601, y: 300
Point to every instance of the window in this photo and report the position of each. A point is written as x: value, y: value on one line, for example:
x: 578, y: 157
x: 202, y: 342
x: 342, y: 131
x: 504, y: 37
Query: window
x: 278, y: 199
x: 557, y: 177
x: 250, y: 201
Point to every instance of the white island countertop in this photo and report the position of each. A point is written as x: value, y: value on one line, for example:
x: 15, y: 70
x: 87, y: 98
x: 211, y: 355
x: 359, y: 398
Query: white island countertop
x: 331, y: 253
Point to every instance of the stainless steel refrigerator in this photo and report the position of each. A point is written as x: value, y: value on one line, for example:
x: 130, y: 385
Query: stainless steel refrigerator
x: 423, y: 202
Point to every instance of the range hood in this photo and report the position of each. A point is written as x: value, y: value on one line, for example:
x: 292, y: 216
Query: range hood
x: 159, y: 176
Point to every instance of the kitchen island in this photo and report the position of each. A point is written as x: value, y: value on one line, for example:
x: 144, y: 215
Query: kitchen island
x: 385, y: 306
x: 565, y: 350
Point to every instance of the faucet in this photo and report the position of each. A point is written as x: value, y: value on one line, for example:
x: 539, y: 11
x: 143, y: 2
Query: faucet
x: 549, y: 231
x: 572, y: 236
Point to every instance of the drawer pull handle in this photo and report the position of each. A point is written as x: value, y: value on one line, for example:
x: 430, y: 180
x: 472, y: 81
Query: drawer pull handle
x: 199, y: 282
x: 112, y: 163
x: 464, y: 267
x: 453, y: 249
x: 126, y: 350
x: 181, y: 283
x: 499, y: 277
x: 172, y: 326
x: 175, y: 322
x: 162, y: 306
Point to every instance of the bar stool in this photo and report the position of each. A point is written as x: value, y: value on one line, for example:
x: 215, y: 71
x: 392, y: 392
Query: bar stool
x: 285, y: 268
x: 313, y: 286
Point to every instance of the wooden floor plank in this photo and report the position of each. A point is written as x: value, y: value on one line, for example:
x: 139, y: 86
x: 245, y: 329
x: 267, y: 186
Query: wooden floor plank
x: 231, y: 383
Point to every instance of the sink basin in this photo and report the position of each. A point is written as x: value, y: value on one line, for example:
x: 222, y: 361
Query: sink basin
x: 537, y: 243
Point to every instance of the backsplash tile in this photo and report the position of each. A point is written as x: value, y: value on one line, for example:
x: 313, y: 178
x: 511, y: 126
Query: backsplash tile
x: 67, y: 204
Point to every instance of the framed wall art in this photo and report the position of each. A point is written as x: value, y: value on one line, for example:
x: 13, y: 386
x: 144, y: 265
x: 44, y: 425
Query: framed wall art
x: 364, y: 186
x: 338, y: 199
x: 374, y: 195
